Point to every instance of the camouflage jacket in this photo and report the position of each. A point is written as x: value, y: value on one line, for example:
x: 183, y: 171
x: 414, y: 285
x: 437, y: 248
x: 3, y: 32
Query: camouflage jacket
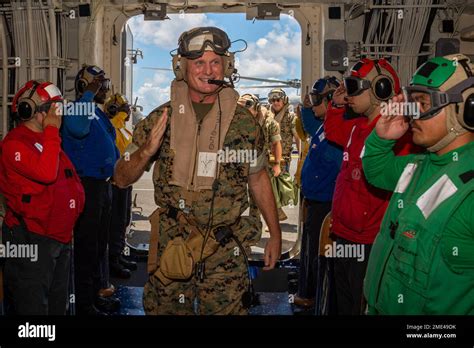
x: 271, y: 132
x: 231, y: 198
x: 287, y: 131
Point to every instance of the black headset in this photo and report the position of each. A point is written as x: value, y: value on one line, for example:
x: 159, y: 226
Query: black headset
x: 27, y: 107
x: 80, y: 82
x: 112, y: 109
x: 81, y: 85
x: 468, y: 115
x: 469, y: 111
x: 382, y: 85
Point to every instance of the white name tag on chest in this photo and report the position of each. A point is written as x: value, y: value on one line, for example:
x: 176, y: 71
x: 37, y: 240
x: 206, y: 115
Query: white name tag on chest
x: 207, y: 164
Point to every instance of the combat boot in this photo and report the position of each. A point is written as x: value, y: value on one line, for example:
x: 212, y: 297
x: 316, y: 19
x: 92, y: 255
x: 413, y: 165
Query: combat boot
x: 117, y: 270
x: 107, y: 304
x: 131, y: 265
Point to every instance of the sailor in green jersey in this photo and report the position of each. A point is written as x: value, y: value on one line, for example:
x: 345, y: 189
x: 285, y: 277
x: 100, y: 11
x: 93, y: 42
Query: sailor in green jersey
x: 422, y: 261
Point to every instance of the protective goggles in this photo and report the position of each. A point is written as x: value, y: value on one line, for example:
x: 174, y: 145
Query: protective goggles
x: 431, y: 101
x: 91, y: 73
x: 105, y: 84
x: 317, y: 98
x: 276, y: 95
x: 355, y: 85
x: 193, y: 44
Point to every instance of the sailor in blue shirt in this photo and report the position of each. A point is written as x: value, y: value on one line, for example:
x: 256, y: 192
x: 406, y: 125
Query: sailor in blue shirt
x: 88, y: 138
x: 318, y: 179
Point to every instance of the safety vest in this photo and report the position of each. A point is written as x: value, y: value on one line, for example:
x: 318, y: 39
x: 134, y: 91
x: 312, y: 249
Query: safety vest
x: 46, y: 209
x: 231, y: 198
x: 415, y: 267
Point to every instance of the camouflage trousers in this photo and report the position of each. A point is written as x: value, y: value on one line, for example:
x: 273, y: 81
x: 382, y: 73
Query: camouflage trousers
x: 220, y: 293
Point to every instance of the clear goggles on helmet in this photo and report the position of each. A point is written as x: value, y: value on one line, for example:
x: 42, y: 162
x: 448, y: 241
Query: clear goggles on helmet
x: 193, y: 44
x: 429, y: 102
x: 276, y: 95
x: 355, y: 85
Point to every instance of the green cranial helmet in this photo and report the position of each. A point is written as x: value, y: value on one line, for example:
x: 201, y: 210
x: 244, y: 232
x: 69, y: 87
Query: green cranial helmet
x: 434, y: 73
x: 444, y: 82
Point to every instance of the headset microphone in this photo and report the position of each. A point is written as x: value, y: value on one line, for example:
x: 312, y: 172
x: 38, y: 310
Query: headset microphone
x: 219, y: 83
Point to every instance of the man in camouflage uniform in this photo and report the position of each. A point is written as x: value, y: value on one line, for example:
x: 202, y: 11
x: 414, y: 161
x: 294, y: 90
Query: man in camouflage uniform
x: 280, y: 108
x: 279, y: 102
x: 196, y: 200
x: 272, y: 143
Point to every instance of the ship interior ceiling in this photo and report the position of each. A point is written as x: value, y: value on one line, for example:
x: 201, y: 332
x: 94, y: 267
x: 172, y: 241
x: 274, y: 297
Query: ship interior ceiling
x: 52, y: 39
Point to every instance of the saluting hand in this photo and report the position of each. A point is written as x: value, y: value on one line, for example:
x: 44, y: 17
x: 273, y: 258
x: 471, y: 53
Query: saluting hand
x: 94, y: 86
x: 392, y: 127
x: 53, y: 117
x: 307, y: 102
x: 155, y: 138
x: 339, y: 96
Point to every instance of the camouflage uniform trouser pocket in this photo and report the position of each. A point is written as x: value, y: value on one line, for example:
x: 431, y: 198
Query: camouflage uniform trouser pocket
x: 219, y: 294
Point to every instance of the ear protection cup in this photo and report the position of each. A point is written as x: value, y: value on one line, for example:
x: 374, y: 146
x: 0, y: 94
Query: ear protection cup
x: 112, y: 109
x: 285, y: 98
x: 464, y: 110
x: 385, y: 84
x: 465, y: 116
x: 229, y: 65
x: 468, y: 114
x: 116, y: 103
x: 81, y: 85
x: 26, y: 107
x: 35, y: 96
x: 112, y: 106
x: 26, y: 110
x: 382, y: 85
x: 179, y: 67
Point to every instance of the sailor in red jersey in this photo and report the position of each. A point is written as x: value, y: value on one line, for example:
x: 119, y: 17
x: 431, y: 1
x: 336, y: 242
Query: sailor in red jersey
x: 44, y: 197
x: 358, y: 207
